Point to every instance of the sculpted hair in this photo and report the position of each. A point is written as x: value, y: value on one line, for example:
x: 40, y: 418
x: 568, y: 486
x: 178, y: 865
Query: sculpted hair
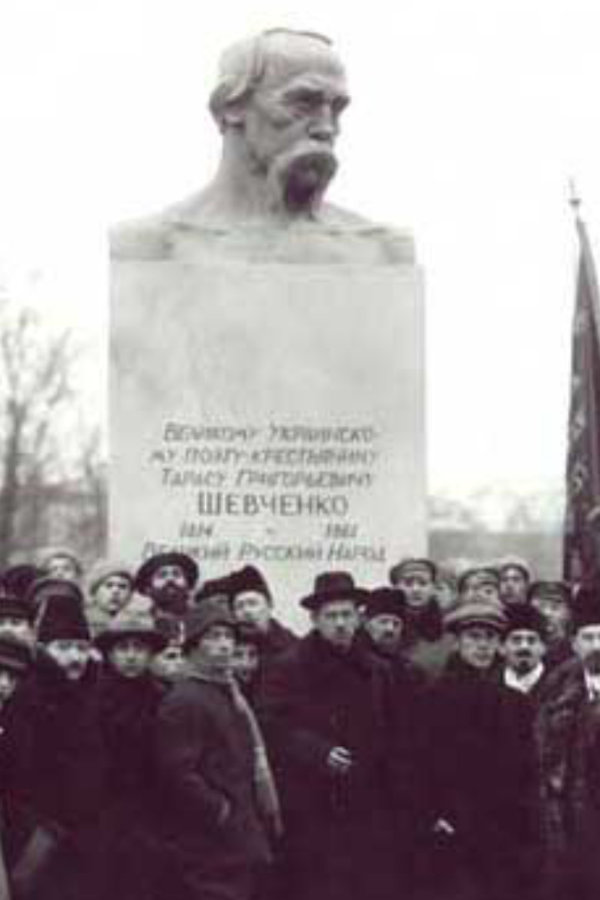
x: 242, y: 67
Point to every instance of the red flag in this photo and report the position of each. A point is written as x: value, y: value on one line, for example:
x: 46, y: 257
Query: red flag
x: 582, y: 518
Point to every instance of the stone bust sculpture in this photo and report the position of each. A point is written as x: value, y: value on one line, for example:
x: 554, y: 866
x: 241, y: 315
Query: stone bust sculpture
x: 278, y: 103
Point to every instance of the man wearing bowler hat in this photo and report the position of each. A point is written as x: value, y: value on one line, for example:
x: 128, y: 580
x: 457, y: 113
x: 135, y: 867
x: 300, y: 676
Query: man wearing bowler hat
x: 327, y: 713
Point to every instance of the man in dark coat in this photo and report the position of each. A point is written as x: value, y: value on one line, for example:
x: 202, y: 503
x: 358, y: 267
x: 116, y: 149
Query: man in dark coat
x: 217, y: 788
x: 482, y: 767
x: 523, y: 651
x: 67, y: 771
x: 128, y: 700
x: 568, y: 733
x: 252, y: 607
x: 327, y: 712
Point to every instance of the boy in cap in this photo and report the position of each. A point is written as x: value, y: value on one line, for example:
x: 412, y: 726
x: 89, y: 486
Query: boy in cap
x: 515, y: 577
x: 61, y: 562
x: 128, y: 699
x: 481, y: 763
x: 328, y: 713
x: 480, y: 582
x: 568, y: 733
x: 423, y: 634
x: 219, y: 795
x: 553, y: 600
x: 110, y: 586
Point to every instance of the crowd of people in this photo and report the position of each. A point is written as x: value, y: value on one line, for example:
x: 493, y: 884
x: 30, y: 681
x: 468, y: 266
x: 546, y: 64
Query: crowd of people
x: 166, y: 737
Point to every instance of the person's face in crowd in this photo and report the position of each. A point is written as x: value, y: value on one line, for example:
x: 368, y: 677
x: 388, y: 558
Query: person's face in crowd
x: 130, y: 657
x: 523, y: 650
x: 245, y: 661
x: 17, y: 626
x: 477, y: 587
x: 291, y: 119
x: 556, y: 614
x: 513, y: 586
x: 62, y: 567
x: 586, y: 644
x: 445, y: 594
x: 385, y: 630
x: 8, y: 684
x: 169, y: 663
x: 337, y: 621
x: 478, y: 645
x: 417, y: 584
x: 214, y: 648
x: 71, y: 655
x: 112, y: 594
x: 169, y: 587
x: 252, y: 611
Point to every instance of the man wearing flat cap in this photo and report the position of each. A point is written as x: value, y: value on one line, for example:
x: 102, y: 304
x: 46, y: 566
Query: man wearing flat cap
x: 481, y: 762
x: 568, y: 733
x: 327, y: 713
x: 219, y: 793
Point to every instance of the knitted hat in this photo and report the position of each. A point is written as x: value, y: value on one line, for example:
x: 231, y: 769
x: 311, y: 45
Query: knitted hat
x: 203, y: 617
x: 62, y: 619
x: 331, y: 586
x: 476, y: 612
x: 103, y: 569
x: 524, y: 617
x: 15, y: 655
x: 386, y: 601
x: 172, y: 558
x: 131, y: 624
x: 514, y: 562
x: 249, y: 579
x: 49, y: 553
x: 412, y: 565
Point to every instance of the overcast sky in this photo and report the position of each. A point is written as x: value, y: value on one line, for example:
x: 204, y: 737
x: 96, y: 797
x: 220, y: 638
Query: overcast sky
x: 467, y: 120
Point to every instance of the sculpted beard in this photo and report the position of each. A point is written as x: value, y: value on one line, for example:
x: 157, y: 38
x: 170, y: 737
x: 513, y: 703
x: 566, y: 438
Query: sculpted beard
x: 299, y: 177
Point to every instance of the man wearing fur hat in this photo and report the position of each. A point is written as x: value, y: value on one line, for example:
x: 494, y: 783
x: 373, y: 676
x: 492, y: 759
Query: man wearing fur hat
x: 481, y: 764
x: 219, y: 795
x: 328, y: 713
x: 523, y: 651
x: 568, y: 732
x: 128, y: 699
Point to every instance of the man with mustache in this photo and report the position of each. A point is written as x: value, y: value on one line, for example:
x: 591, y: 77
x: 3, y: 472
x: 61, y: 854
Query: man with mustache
x: 568, y: 735
x: 524, y: 649
x: 278, y: 104
x: 168, y: 580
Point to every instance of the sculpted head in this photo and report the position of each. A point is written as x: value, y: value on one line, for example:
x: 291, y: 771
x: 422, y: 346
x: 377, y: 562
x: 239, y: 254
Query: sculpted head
x: 278, y: 104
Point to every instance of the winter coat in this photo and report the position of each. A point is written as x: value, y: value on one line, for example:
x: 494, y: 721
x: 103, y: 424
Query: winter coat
x: 205, y: 760
x: 568, y: 740
x: 483, y: 778
x: 342, y: 840
x: 127, y: 709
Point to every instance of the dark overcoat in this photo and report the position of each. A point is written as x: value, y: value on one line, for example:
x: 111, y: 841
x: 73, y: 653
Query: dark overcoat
x: 342, y: 839
x: 568, y: 739
x: 205, y: 759
x: 483, y: 781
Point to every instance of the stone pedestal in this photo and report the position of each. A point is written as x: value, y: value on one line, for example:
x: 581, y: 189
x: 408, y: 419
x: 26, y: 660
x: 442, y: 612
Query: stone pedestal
x: 270, y: 414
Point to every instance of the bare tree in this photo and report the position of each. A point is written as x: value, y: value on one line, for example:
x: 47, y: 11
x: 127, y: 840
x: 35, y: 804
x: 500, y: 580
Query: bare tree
x: 34, y: 388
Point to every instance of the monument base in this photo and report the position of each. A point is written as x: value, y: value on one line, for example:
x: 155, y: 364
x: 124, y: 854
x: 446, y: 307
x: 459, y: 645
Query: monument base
x: 268, y: 414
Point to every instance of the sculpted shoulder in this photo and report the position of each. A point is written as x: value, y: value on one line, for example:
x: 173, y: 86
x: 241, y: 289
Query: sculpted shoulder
x: 337, y: 236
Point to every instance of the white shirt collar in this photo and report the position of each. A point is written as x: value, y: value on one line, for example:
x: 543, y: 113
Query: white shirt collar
x: 592, y: 683
x: 524, y: 683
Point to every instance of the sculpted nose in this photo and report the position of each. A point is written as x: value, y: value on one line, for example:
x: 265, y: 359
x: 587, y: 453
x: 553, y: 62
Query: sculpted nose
x: 324, y: 127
